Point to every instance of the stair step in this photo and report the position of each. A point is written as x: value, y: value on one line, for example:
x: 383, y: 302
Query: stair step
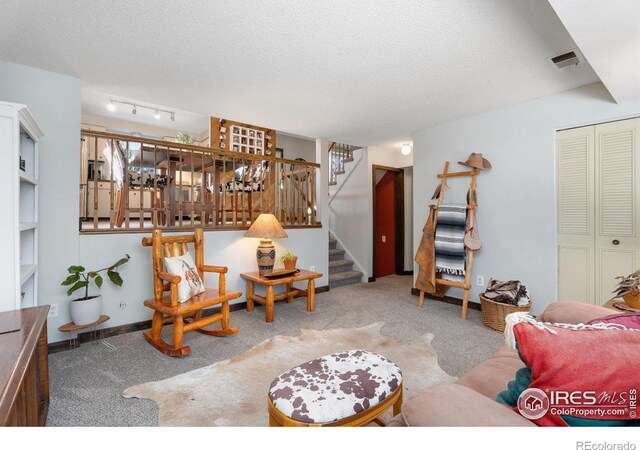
x: 333, y: 183
x: 332, y: 244
x: 339, y: 172
x: 336, y: 254
x: 340, y: 265
x: 348, y: 160
x: 344, y: 278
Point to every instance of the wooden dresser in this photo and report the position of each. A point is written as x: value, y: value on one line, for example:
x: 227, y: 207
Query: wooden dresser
x: 24, y: 367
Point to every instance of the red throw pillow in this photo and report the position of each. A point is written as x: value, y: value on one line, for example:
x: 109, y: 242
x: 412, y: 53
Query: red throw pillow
x: 628, y: 320
x: 583, y: 373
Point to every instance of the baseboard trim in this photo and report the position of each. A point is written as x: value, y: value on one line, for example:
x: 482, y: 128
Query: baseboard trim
x: 407, y: 272
x: 55, y: 347
x: 371, y: 279
x: 450, y: 300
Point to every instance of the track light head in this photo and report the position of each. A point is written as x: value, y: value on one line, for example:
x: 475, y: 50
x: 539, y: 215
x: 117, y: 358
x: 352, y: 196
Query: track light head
x: 156, y: 114
x: 173, y: 117
x: 111, y: 106
x: 134, y: 111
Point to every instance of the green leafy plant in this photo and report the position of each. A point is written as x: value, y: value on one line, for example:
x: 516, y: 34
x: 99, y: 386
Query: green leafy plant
x: 287, y: 256
x: 185, y: 139
x: 629, y: 284
x: 79, y: 278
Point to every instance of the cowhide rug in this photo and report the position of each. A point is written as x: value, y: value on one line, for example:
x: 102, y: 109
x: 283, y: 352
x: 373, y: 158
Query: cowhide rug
x: 234, y: 392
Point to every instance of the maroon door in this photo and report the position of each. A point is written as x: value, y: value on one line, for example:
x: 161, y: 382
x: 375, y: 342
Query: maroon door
x: 385, y: 261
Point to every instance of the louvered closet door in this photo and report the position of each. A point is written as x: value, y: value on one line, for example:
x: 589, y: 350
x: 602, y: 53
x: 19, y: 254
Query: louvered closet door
x: 617, y: 240
x: 575, y: 184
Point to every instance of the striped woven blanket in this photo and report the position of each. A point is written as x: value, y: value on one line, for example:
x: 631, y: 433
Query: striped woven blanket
x: 449, y: 241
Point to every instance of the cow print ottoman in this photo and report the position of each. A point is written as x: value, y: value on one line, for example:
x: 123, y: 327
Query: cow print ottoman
x: 348, y: 388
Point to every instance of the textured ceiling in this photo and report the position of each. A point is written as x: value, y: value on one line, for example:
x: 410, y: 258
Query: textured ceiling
x: 365, y: 72
x: 608, y: 33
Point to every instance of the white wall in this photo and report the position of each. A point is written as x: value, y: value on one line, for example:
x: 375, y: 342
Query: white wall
x: 517, y: 198
x: 408, y: 218
x: 101, y: 123
x: 293, y: 147
x: 54, y: 101
x: 351, y: 212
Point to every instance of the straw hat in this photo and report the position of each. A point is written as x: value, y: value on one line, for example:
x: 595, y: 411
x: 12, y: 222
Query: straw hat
x: 476, y: 161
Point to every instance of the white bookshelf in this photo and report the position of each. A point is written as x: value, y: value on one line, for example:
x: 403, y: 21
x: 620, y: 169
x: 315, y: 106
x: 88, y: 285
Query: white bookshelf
x: 19, y: 137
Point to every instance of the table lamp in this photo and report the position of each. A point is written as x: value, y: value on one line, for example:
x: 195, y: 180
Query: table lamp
x: 266, y: 227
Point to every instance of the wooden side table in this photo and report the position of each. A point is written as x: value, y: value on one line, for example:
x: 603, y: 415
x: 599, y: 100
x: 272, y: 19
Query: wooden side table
x: 73, y: 328
x: 289, y: 294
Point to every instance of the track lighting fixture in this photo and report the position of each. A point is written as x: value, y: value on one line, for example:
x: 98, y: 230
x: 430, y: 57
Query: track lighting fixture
x: 157, y: 112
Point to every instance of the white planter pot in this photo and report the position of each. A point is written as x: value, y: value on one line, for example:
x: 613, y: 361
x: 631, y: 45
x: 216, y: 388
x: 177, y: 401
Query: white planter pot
x: 84, y: 312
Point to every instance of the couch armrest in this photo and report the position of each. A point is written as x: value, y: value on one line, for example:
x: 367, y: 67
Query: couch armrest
x: 446, y: 405
x: 571, y: 311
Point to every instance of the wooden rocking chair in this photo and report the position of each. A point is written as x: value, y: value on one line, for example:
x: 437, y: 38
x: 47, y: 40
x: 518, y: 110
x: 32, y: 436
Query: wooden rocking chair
x: 185, y: 316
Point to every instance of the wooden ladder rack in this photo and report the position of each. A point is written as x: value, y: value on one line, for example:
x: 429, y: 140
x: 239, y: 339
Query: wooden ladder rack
x: 471, y: 206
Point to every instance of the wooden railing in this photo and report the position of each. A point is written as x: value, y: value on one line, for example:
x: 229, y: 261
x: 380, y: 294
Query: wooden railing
x: 131, y: 183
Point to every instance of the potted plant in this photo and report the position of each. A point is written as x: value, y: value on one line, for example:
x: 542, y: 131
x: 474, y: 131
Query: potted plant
x: 289, y: 260
x: 629, y: 289
x: 87, y: 309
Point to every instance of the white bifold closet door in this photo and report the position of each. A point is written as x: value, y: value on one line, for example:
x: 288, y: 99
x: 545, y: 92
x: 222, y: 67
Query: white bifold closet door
x: 598, y: 208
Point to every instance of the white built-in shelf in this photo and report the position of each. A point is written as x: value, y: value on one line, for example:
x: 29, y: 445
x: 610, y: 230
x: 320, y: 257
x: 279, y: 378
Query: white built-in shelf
x: 26, y: 272
x: 28, y: 179
x: 28, y: 225
x: 19, y: 218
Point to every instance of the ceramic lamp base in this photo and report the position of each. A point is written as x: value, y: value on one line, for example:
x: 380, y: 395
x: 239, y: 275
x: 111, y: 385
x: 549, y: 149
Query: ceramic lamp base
x: 266, y: 256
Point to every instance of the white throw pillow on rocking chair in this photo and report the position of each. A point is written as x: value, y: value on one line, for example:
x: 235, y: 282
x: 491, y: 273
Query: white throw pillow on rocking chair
x: 190, y: 282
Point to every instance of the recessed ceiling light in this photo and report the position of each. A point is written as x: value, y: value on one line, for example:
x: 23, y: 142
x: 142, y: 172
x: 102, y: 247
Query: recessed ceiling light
x: 405, y: 149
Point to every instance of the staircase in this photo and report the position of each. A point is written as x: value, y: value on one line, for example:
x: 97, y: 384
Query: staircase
x: 339, y: 154
x: 341, y: 271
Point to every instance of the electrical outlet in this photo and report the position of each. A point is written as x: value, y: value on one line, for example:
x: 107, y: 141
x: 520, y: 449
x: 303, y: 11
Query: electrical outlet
x: 479, y: 280
x: 384, y: 239
x: 53, y: 310
x: 312, y: 268
x: 123, y: 305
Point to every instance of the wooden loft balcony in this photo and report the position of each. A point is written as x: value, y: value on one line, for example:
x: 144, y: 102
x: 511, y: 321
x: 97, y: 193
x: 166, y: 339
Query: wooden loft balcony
x: 145, y: 183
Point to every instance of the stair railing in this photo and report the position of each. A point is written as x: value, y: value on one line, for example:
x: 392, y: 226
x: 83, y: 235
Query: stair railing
x: 348, y: 157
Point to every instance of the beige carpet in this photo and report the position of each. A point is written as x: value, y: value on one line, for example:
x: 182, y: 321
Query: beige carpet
x: 234, y: 392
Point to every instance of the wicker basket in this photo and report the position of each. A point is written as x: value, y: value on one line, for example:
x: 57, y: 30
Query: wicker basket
x: 494, y: 313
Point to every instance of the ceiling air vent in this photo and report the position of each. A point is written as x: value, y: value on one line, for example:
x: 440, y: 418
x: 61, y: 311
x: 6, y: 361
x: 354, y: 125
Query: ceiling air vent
x: 572, y: 58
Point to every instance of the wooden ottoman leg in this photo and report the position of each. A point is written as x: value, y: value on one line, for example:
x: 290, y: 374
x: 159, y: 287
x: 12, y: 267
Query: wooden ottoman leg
x: 397, y: 406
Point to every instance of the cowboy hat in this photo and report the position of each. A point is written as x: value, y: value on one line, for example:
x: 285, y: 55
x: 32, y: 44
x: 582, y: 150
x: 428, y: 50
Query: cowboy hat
x: 476, y: 161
